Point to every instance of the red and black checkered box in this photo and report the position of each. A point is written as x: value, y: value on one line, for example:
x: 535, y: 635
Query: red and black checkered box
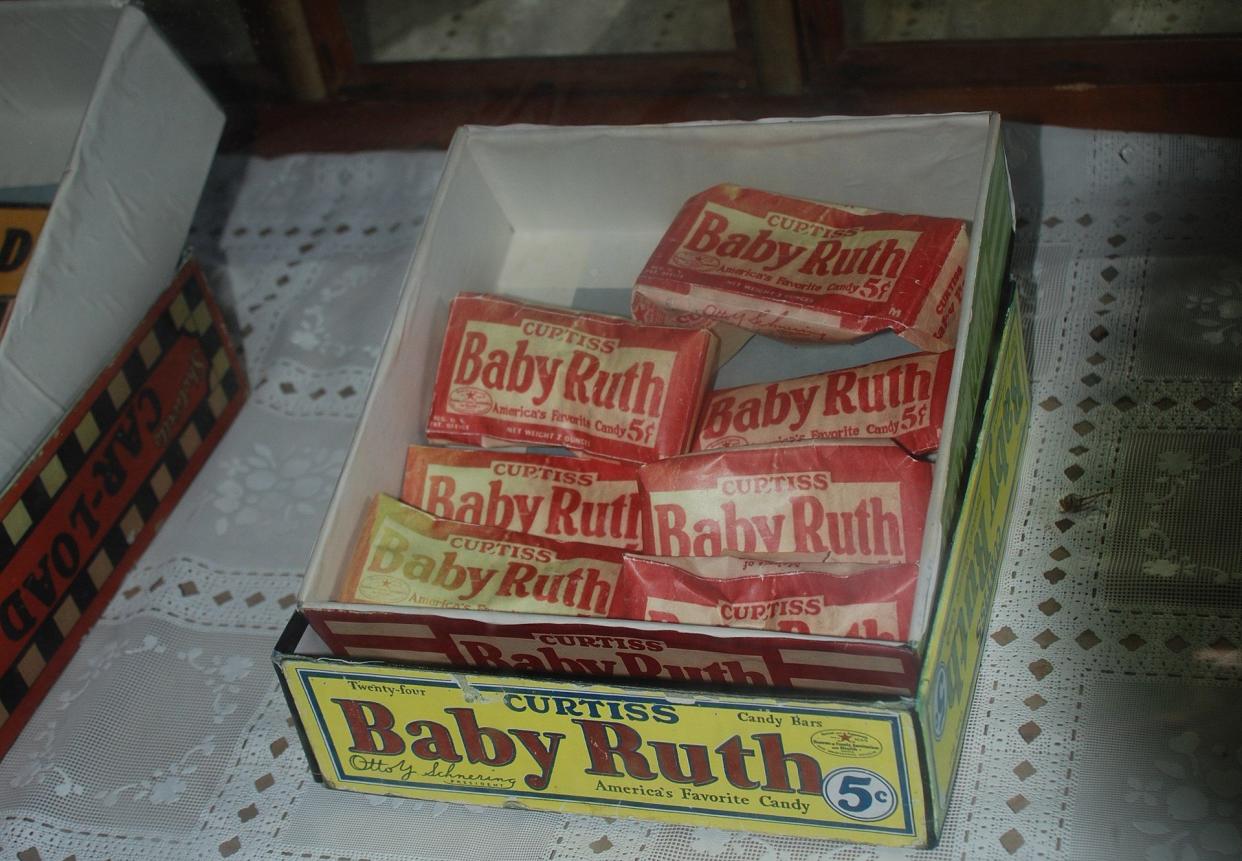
x: 92, y: 498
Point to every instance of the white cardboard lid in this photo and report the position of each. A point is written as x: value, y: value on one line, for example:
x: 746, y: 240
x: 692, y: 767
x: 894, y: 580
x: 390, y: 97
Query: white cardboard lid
x: 94, y: 99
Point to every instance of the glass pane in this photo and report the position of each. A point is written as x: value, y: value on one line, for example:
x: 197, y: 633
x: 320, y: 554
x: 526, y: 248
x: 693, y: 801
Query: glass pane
x: 205, y: 32
x: 925, y: 20
x: 390, y: 31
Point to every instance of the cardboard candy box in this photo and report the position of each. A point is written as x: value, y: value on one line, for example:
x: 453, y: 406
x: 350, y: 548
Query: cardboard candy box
x: 868, y: 728
x: 812, y: 767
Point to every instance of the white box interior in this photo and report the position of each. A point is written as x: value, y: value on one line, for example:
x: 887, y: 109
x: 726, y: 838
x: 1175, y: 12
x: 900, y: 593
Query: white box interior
x: 94, y: 101
x: 568, y: 216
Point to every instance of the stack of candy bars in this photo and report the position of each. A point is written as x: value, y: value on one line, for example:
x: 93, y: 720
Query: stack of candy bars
x: 790, y: 505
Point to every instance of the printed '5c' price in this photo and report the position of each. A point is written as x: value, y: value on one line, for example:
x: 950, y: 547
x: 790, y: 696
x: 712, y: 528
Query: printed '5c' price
x: 858, y: 793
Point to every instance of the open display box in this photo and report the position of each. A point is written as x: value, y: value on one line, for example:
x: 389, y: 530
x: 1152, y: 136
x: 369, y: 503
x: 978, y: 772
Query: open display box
x: 569, y: 216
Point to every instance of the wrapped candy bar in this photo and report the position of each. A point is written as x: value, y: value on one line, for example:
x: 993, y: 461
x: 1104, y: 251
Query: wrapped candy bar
x: 899, y: 399
x: 858, y: 502
x: 870, y: 601
x: 563, y: 498
x: 513, y: 373
x: 407, y: 557
x: 807, y: 271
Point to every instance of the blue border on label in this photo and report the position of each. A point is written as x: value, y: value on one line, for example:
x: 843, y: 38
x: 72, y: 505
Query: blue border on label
x: 306, y: 674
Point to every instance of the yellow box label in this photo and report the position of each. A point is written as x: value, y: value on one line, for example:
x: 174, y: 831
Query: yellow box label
x: 780, y: 766
x: 20, y: 227
x: 956, y: 639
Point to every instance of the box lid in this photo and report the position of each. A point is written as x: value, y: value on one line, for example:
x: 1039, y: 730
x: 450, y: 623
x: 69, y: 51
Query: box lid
x: 96, y: 101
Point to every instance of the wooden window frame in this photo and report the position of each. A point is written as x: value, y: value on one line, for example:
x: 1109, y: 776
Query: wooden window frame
x: 699, y: 71
x: 835, y: 62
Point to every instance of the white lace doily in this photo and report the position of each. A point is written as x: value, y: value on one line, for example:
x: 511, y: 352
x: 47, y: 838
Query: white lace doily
x: 1103, y: 724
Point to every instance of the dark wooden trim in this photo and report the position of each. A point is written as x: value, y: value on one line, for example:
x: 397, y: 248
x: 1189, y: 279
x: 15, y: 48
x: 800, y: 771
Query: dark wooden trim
x: 1037, y: 62
x: 745, y: 52
x: 331, y: 40
x: 650, y: 73
x: 778, y: 49
x: 293, y: 48
x: 1208, y: 108
x: 822, y: 25
x: 346, y: 126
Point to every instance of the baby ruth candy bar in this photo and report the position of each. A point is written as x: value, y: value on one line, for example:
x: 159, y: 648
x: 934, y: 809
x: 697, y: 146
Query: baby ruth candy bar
x: 562, y: 498
x: 406, y: 557
x: 898, y: 399
x: 858, y: 502
x: 806, y: 271
x: 869, y: 601
x: 520, y: 374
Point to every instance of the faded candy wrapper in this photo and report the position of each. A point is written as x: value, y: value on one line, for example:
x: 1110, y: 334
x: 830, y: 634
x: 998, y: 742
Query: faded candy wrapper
x: 562, y: 498
x: 513, y: 373
x: 807, y: 271
x: 859, y: 502
x: 899, y: 399
x: 406, y: 557
x: 869, y: 601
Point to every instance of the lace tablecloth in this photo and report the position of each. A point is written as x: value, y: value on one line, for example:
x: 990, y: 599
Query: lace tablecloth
x: 1103, y: 724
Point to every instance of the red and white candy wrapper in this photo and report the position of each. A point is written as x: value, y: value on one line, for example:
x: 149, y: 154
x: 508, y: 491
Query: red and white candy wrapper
x: 513, y: 373
x: 562, y: 498
x: 863, y: 503
x: 898, y: 399
x: 807, y: 271
x: 407, y: 557
x: 869, y: 601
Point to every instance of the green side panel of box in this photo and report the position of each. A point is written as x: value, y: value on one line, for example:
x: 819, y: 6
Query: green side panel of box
x: 989, y: 281
x: 956, y: 642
